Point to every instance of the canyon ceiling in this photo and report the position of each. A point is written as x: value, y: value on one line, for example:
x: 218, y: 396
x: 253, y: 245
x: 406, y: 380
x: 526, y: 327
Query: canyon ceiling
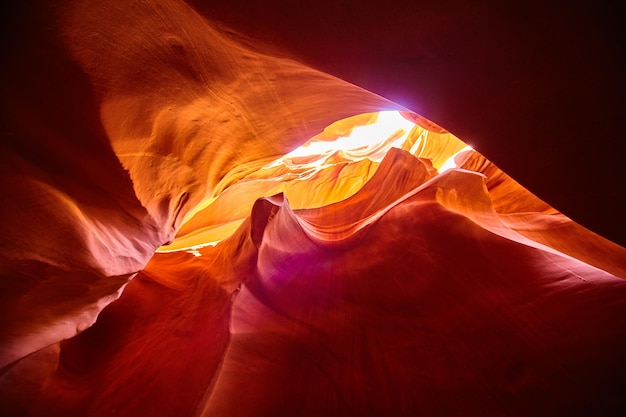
x: 446, y: 242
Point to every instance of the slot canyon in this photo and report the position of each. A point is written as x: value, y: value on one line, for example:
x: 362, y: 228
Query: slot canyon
x: 336, y: 208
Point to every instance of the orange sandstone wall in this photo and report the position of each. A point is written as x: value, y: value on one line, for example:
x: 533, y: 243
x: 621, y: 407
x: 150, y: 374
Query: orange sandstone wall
x: 119, y: 119
x: 418, y: 292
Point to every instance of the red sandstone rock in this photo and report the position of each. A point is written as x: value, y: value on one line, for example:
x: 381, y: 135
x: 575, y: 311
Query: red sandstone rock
x: 360, y: 282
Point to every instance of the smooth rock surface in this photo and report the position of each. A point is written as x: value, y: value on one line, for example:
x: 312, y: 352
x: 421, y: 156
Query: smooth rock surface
x: 162, y: 252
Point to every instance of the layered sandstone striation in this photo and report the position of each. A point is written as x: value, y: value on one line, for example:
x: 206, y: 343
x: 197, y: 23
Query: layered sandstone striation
x: 169, y: 250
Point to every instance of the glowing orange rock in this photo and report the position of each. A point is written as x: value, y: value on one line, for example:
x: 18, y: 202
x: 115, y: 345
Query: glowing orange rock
x: 403, y: 276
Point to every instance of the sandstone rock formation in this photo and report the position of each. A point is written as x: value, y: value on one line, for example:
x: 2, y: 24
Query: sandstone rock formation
x: 166, y: 252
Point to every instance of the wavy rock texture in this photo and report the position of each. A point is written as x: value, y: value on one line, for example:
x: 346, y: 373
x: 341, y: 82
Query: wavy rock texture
x: 409, y: 277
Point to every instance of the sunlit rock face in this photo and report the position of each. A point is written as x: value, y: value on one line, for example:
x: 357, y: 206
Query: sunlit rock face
x: 384, y: 267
